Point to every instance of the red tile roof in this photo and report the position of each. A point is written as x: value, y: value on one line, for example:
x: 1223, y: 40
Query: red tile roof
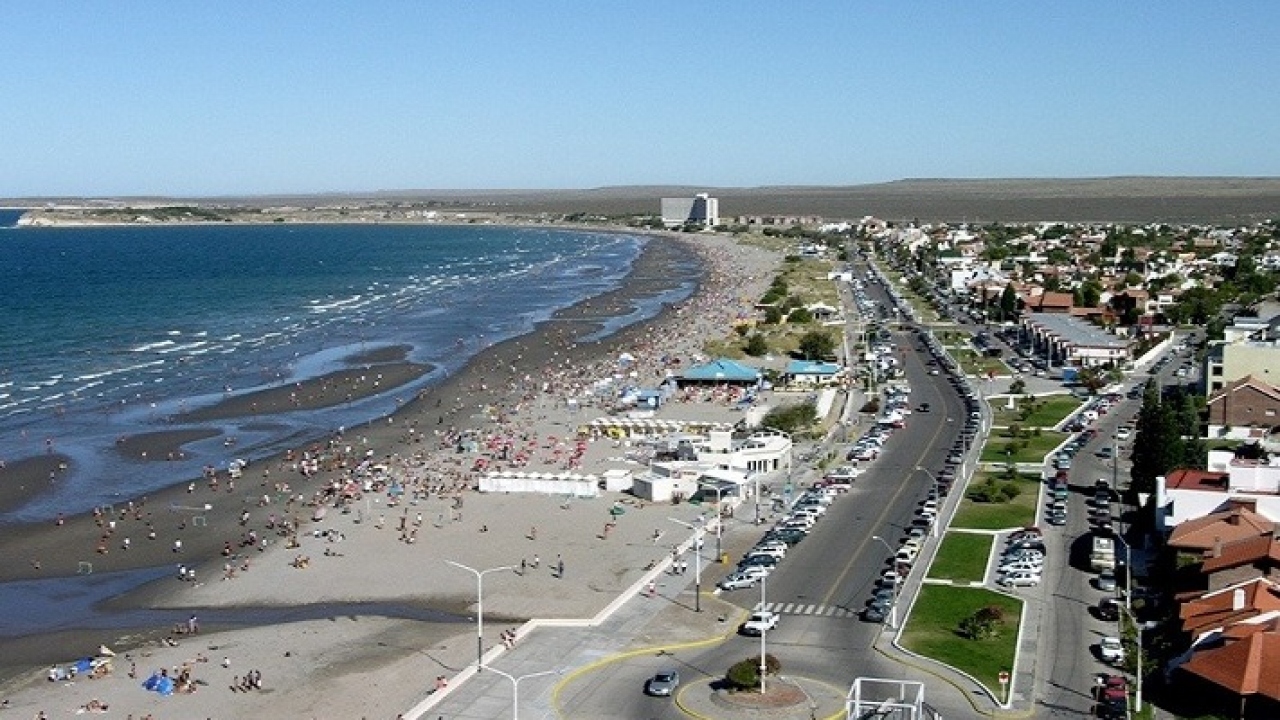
x: 1249, y: 665
x: 1244, y: 552
x: 1226, y: 527
x: 1189, y: 479
x: 1215, y: 609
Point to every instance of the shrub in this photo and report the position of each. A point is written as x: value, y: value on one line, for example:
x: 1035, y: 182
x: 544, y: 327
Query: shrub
x: 791, y: 418
x: 745, y: 674
x: 800, y: 316
x: 983, y: 624
x: 756, y: 345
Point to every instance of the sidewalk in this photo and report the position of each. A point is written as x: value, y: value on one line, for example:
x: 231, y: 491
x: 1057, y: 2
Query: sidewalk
x: 551, y: 655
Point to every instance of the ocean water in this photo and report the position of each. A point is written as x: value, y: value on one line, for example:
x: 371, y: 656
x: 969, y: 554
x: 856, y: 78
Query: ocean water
x: 109, y: 331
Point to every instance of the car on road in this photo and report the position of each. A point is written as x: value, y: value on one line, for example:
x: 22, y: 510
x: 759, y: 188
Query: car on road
x: 1106, y: 581
x: 769, y: 561
x: 1021, y: 579
x: 776, y: 550
x: 759, y: 622
x: 1111, y: 650
x: 1124, y: 432
x: 663, y: 684
x: 743, y: 579
x: 875, y: 613
x: 788, y: 536
x: 1018, y: 568
x: 1107, y: 610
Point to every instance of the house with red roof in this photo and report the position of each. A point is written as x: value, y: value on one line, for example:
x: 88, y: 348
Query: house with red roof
x: 1243, y: 409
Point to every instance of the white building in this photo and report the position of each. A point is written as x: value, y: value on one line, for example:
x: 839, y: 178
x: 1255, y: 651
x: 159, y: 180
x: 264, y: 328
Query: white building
x: 1189, y: 494
x: 700, y: 209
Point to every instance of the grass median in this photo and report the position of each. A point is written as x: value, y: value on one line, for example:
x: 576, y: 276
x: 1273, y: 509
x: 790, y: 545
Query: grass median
x: 1042, y: 412
x: 1018, y: 511
x: 1000, y: 448
x: 962, y: 557
x: 933, y: 630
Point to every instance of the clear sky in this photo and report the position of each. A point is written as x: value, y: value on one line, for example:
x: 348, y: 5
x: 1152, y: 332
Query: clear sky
x: 209, y: 98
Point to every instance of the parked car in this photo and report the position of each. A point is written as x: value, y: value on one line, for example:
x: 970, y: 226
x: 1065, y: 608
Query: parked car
x: 1106, y: 581
x: 1111, y: 650
x: 1023, y: 579
x: 1108, y: 610
x: 743, y: 579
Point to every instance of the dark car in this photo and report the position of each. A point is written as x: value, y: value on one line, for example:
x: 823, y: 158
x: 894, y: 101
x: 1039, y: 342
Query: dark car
x: 663, y: 684
x: 1108, y: 609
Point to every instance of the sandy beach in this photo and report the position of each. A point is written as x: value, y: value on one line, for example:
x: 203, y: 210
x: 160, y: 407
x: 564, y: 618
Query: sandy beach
x: 372, y: 515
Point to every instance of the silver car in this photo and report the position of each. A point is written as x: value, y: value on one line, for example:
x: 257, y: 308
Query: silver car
x: 663, y: 684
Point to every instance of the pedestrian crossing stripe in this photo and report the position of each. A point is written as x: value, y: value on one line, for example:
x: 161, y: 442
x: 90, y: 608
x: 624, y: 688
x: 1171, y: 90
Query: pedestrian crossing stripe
x: 806, y: 609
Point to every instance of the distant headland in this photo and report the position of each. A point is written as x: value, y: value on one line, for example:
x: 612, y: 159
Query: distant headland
x: 1118, y: 199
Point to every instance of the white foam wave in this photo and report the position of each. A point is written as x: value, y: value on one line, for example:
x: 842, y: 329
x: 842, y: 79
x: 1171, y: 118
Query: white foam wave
x: 153, y: 346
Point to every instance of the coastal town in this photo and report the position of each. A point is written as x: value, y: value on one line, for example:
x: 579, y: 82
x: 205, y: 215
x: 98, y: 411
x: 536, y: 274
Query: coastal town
x: 1078, y: 407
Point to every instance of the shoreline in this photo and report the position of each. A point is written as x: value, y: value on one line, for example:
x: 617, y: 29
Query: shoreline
x: 516, y: 387
x: 25, y: 540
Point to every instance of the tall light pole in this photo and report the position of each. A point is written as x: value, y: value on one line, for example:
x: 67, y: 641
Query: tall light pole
x: 719, y: 517
x: 893, y: 608
x: 697, y: 561
x: 1137, y: 695
x: 480, y: 605
x: 763, y: 631
x: 515, y: 687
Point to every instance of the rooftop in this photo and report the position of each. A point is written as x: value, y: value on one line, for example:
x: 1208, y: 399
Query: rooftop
x: 1076, y: 332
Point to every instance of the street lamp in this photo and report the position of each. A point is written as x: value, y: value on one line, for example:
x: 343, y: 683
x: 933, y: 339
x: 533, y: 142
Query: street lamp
x: 515, y: 687
x: 1137, y: 695
x: 763, y: 631
x: 893, y: 608
x: 697, y: 561
x: 479, y: 605
x: 719, y: 517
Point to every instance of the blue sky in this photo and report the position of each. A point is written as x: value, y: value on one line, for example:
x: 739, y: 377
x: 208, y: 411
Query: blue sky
x: 188, y: 98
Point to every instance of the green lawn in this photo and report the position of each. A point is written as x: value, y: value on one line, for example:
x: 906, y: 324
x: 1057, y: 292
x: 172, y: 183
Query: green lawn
x: 975, y: 364
x: 962, y: 556
x: 1043, y: 412
x: 1018, y: 512
x: 931, y: 631
x: 1037, y: 446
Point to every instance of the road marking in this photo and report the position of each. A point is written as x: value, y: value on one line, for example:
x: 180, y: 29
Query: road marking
x: 879, y: 522
x: 803, y: 609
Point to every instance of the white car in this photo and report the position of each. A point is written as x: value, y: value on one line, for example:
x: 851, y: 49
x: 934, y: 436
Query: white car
x: 744, y: 578
x: 1111, y: 650
x: 1022, y: 579
x: 770, y: 550
x: 759, y: 622
x: 1123, y: 432
x: 906, y: 555
x: 1021, y: 567
x: 773, y: 546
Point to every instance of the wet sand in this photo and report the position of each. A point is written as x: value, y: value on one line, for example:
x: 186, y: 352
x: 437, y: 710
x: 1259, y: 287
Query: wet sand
x: 24, y: 479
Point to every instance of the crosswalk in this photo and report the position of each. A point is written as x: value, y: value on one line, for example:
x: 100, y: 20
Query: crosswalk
x: 807, y: 609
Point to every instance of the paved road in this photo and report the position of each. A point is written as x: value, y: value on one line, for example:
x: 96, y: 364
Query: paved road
x: 826, y: 580
x: 1069, y: 633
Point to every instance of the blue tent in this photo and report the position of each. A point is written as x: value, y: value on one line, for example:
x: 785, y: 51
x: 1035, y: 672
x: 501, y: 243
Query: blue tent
x: 162, y: 684
x: 722, y: 370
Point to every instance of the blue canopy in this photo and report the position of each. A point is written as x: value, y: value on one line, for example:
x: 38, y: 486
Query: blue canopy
x: 722, y: 370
